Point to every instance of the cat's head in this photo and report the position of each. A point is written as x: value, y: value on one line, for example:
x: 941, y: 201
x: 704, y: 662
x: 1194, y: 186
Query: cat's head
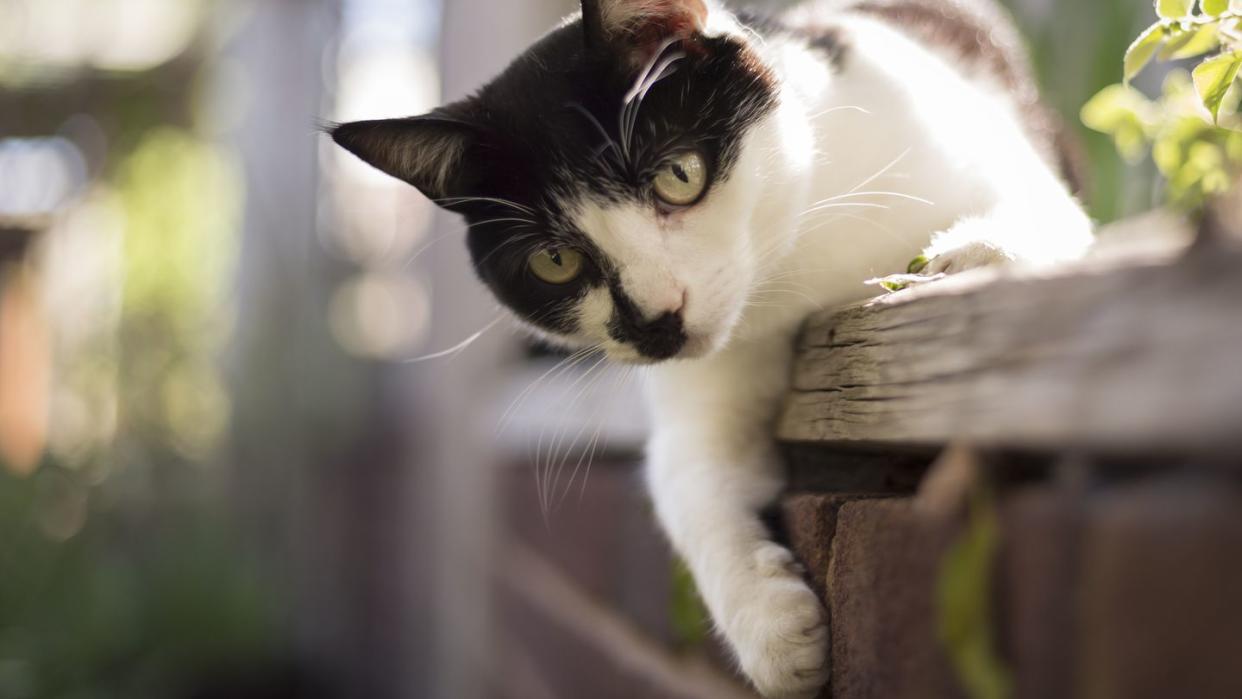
x: 613, y: 177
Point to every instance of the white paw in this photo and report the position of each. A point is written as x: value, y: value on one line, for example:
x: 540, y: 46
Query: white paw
x: 971, y: 255
x: 778, y: 628
x: 922, y: 270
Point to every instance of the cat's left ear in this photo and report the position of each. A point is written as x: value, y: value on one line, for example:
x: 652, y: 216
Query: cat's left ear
x: 606, y: 21
x: 429, y: 151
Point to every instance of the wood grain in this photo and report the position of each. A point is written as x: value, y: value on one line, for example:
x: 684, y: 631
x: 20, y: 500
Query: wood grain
x: 1139, y: 359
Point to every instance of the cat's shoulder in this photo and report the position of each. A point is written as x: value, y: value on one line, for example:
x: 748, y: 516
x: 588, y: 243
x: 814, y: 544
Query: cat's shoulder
x: 978, y: 35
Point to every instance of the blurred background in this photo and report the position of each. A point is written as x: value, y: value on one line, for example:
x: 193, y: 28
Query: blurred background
x: 219, y: 474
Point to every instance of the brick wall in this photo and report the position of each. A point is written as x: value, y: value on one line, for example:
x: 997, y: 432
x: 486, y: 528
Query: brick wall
x: 1096, y: 586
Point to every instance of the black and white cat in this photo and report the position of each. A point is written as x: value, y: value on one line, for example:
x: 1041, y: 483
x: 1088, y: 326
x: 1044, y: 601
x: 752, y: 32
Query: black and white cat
x: 681, y: 186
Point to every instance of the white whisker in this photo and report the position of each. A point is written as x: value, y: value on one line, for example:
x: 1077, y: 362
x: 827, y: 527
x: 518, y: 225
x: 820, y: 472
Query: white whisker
x: 842, y: 108
x: 881, y: 171
x: 503, y: 220
x: 852, y: 194
x: 845, y: 205
x: 563, y: 365
x: 449, y: 201
x: 458, y: 348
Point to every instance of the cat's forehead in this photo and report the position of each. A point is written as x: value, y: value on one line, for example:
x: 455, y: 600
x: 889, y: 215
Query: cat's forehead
x: 567, y: 121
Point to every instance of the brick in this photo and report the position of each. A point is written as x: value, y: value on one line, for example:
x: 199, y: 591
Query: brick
x: 1162, y: 592
x: 1037, y: 585
x: 809, y: 522
x: 881, y: 587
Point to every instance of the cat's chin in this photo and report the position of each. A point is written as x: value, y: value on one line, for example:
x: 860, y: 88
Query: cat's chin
x: 696, y: 347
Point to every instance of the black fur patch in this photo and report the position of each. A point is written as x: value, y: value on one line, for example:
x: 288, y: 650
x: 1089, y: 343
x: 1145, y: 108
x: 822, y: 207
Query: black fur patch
x: 660, y: 338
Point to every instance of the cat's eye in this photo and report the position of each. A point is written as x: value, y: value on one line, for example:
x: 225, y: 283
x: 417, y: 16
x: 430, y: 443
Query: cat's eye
x: 556, y: 266
x: 682, y: 179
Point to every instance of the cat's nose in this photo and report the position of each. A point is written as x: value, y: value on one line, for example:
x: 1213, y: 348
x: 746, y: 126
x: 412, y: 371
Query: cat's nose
x: 658, y: 335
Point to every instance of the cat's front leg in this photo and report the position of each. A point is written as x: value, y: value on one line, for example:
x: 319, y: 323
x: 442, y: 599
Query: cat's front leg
x: 1055, y: 230
x: 712, y: 469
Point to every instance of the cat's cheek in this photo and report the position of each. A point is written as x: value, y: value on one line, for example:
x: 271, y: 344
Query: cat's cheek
x: 594, y: 312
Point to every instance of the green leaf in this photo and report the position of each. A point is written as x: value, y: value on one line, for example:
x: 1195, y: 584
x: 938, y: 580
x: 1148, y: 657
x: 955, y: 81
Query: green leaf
x: 1202, y: 40
x: 1142, y: 50
x: 1121, y: 112
x: 690, y: 620
x: 964, y: 597
x: 1213, y: 78
x: 1214, y: 8
x: 1174, y: 9
x: 917, y: 265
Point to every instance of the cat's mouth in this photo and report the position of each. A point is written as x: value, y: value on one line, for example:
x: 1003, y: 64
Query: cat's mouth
x: 692, y: 346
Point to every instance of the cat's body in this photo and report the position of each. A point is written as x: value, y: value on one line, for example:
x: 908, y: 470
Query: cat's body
x: 836, y: 145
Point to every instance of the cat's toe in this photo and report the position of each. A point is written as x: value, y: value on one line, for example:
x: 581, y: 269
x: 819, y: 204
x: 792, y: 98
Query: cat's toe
x: 972, y: 255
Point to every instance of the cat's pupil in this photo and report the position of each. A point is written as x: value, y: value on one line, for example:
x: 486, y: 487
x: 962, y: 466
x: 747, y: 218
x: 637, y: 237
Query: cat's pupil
x: 556, y: 258
x: 680, y: 173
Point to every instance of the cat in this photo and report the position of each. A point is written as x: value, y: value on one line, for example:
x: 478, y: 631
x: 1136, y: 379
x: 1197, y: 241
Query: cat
x: 680, y: 185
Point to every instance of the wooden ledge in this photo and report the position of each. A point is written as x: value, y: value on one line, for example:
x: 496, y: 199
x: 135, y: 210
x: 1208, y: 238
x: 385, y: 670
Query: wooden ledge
x: 1131, y: 359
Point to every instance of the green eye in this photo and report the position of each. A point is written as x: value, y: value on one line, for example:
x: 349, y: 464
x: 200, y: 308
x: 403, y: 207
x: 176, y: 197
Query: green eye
x: 556, y: 266
x: 681, y: 180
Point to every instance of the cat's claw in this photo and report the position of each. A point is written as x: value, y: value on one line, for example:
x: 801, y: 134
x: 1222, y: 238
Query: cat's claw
x: 780, y: 630
x: 922, y: 270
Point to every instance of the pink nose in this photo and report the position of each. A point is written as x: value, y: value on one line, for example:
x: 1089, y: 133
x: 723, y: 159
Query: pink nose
x: 675, y: 304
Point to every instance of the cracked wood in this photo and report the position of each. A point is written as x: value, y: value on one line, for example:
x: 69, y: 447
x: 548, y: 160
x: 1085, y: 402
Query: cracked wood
x: 1138, y: 360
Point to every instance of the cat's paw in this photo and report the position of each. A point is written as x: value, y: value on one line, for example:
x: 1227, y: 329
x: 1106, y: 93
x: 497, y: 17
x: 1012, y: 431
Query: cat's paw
x: 972, y: 255
x: 779, y: 629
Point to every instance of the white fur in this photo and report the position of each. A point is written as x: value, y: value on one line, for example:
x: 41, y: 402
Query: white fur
x: 907, y: 156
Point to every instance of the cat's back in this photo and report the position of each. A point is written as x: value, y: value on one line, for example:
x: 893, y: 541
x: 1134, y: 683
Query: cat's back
x: 978, y: 37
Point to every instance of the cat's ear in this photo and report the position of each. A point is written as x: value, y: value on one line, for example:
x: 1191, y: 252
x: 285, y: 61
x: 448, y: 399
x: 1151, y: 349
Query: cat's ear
x: 429, y: 151
x: 607, y: 20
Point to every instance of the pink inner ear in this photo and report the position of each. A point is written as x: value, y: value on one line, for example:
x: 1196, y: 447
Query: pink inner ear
x: 655, y: 19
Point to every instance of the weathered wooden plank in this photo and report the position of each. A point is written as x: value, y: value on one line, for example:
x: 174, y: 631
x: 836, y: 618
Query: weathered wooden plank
x: 1138, y: 359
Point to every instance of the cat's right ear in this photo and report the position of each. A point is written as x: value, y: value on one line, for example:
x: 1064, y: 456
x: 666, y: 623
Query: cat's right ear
x: 427, y: 151
x: 604, y: 21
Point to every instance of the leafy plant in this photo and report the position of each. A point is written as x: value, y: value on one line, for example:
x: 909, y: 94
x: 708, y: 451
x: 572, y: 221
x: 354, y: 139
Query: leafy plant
x: 1193, y: 128
x: 964, y: 602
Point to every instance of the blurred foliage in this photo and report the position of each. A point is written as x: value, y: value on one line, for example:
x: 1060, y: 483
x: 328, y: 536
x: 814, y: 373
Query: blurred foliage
x: 181, y: 198
x: 1075, y: 47
x: 132, y: 605
x: 1196, y: 157
x: 122, y: 573
x: 690, y: 619
x: 964, y: 601
x: 1192, y: 127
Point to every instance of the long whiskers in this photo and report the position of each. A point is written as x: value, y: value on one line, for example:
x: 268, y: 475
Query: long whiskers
x: 544, y: 465
x: 450, y: 201
x: 853, y: 195
x: 563, y: 365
